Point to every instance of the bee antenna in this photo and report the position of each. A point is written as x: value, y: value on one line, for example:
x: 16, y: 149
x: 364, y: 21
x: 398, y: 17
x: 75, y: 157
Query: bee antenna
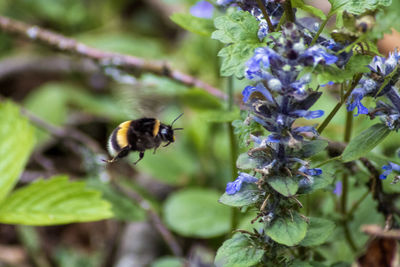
x: 177, y: 129
x: 176, y: 119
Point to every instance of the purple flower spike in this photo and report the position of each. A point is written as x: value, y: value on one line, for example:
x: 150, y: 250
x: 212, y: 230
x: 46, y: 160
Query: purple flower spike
x: 235, y: 186
x: 202, y: 9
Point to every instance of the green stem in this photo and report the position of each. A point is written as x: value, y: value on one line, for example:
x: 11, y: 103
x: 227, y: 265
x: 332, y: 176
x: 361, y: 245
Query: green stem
x: 345, y: 186
x: 266, y: 17
x: 281, y: 21
x: 338, y: 105
x: 321, y: 28
x: 289, y: 10
x: 356, y: 204
x: 234, y: 152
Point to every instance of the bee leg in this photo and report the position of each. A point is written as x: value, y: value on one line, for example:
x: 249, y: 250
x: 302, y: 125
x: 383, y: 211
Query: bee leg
x: 124, y: 152
x: 167, y: 144
x: 141, y: 155
x: 155, y: 149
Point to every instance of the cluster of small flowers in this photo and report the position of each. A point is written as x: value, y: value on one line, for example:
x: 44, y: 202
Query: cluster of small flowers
x: 277, y: 98
x: 380, y: 82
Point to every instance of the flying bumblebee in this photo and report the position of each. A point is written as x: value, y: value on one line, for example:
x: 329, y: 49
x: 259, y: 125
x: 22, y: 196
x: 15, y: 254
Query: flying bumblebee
x: 139, y: 135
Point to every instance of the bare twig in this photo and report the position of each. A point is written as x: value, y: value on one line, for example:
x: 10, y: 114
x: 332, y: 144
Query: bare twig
x: 104, y: 58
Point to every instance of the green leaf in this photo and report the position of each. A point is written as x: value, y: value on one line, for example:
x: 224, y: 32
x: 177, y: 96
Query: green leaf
x: 16, y: 143
x: 320, y: 182
x: 199, y: 99
x: 168, y: 261
x: 220, y: 116
x: 284, y: 185
x: 123, y: 207
x: 245, y: 162
x: 386, y: 20
x: 238, y: 251
x: 319, y: 230
x: 355, y: 7
x: 311, y: 148
x: 238, y: 30
x: 247, y: 195
x: 235, y: 57
x: 310, y: 9
x: 357, y: 64
x: 196, y: 212
x: 365, y: 142
x: 194, y: 24
x: 54, y: 201
x: 235, y: 27
x: 287, y: 230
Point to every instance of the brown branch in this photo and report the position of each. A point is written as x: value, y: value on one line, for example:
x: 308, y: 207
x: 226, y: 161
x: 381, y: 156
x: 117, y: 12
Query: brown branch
x: 104, y: 58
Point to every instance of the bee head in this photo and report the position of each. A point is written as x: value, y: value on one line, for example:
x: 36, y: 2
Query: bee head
x: 167, y: 133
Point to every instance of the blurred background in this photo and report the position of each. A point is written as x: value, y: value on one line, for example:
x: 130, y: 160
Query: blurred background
x: 181, y: 182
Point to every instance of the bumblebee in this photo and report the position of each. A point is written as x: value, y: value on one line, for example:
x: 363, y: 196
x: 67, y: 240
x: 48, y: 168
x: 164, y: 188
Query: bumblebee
x: 139, y: 135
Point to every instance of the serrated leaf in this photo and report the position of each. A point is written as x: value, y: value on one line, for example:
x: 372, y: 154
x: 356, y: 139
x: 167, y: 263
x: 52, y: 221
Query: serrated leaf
x: 319, y: 230
x: 247, y: 195
x: 194, y: 24
x: 355, y: 7
x: 357, y: 64
x: 54, y: 201
x: 238, y: 30
x: 287, y: 230
x: 363, y: 143
x: 236, y: 27
x: 196, y: 212
x: 386, y: 20
x: 310, y: 9
x: 238, y: 251
x: 286, y: 186
x: 235, y: 57
x: 16, y: 143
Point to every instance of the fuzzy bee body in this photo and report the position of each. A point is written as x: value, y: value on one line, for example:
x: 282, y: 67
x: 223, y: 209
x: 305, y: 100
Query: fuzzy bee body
x: 139, y: 135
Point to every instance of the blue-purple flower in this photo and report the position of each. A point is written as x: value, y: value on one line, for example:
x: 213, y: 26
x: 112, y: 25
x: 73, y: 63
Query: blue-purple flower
x: 384, y: 66
x: 388, y: 169
x: 316, y: 55
x: 202, y: 9
x: 354, y: 101
x: 235, y: 186
x: 338, y: 188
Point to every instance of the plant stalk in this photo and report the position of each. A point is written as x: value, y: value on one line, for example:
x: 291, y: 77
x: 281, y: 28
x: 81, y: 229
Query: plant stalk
x: 338, y: 105
x: 266, y: 17
x: 320, y: 29
x: 234, y: 152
